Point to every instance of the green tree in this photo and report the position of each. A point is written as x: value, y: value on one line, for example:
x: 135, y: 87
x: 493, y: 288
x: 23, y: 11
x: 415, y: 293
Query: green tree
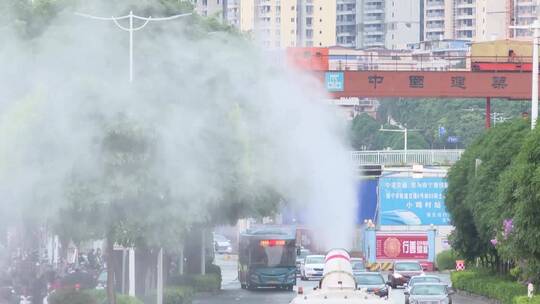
x: 472, y: 193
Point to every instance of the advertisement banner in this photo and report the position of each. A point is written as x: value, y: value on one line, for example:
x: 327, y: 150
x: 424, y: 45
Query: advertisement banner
x: 395, y: 247
x: 413, y: 201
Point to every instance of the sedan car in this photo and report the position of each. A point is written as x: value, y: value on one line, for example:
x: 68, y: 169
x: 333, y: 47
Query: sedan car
x: 222, y: 244
x: 420, y: 279
x: 358, y: 265
x: 402, y: 271
x: 301, y: 254
x: 313, y: 267
x: 372, y: 282
x: 430, y: 293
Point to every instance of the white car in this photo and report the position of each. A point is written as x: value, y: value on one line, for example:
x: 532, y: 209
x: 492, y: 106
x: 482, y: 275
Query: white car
x: 222, y: 245
x: 312, y: 268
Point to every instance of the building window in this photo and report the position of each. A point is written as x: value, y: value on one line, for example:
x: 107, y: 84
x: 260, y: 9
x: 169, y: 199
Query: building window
x: 292, y: 19
x: 292, y: 8
x: 320, y: 32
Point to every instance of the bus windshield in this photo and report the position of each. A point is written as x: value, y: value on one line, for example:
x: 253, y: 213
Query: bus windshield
x: 273, y: 256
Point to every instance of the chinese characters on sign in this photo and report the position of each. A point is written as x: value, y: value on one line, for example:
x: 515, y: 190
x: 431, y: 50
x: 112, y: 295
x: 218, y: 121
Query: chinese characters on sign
x: 416, y: 82
x: 412, y: 201
x: 458, y: 82
x: 375, y: 80
x: 402, y: 246
x: 335, y: 81
x: 499, y: 82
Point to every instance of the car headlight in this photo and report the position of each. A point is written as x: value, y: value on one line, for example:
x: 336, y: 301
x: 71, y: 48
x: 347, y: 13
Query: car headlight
x: 397, y: 275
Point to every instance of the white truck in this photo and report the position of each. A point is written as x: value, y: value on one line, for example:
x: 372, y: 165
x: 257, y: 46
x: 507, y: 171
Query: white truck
x: 338, y: 285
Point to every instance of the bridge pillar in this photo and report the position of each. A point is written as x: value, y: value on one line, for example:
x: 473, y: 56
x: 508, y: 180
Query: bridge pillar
x: 488, y: 112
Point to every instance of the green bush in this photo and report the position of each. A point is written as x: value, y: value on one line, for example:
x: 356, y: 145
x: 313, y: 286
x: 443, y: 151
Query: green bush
x: 100, y: 297
x: 488, y: 285
x: 206, y: 283
x: 178, y: 295
x: 71, y: 296
x: 526, y: 300
x: 447, y: 260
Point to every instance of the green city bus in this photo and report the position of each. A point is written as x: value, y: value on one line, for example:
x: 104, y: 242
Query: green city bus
x: 267, y: 257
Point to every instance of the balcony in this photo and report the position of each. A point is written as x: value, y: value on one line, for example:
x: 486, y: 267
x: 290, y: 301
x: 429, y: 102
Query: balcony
x: 526, y: 4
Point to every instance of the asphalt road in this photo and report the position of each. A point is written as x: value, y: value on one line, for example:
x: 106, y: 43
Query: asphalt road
x: 231, y: 292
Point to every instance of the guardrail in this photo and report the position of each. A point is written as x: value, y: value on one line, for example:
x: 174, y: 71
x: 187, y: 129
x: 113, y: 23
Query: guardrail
x: 409, y: 157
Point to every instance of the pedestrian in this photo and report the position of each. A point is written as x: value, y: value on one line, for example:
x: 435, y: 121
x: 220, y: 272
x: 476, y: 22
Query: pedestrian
x: 99, y: 259
x: 91, y: 259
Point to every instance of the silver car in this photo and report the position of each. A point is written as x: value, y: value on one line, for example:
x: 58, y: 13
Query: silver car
x: 420, y: 279
x: 429, y: 293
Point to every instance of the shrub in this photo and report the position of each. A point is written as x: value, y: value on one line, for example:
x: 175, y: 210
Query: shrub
x: 526, y: 300
x: 101, y: 297
x: 178, y: 295
x: 488, y: 285
x: 71, y: 296
x: 447, y: 260
x: 207, y: 282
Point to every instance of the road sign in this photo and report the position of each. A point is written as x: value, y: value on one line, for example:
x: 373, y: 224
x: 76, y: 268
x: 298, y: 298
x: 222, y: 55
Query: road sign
x: 452, y: 139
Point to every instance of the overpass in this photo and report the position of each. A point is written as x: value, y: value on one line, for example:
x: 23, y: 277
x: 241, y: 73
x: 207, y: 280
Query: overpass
x: 398, y: 158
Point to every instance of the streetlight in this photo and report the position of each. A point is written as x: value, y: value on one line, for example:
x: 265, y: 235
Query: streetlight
x: 132, y: 29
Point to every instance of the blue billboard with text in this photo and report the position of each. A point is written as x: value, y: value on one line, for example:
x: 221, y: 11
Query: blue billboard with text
x: 335, y: 81
x: 413, y: 201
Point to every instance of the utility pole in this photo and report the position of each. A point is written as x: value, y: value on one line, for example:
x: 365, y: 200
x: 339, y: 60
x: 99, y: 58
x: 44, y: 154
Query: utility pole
x: 131, y: 29
x: 405, y: 132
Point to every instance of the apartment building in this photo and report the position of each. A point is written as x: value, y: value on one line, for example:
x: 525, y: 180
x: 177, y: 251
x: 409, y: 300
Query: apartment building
x: 370, y: 15
x: 492, y: 20
x: 524, y: 14
x: 209, y: 7
x: 275, y: 23
x: 316, y: 23
x: 346, y: 23
x: 402, y: 23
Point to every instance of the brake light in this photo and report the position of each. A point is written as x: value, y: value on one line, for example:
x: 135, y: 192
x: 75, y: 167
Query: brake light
x: 271, y: 243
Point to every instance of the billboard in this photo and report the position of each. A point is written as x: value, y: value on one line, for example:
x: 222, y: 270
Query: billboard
x: 402, y: 246
x: 413, y: 201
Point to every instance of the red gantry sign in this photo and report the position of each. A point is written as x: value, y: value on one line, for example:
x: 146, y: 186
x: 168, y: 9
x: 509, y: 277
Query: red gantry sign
x: 401, y: 246
x: 427, y: 84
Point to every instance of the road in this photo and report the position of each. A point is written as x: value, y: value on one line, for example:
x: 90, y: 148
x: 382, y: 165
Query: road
x: 231, y: 292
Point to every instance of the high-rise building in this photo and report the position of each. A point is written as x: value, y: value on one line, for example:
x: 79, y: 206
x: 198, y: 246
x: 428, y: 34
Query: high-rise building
x: 524, y: 13
x: 438, y: 20
x: 473, y: 20
x: 492, y: 20
x: 346, y: 23
x: 465, y: 19
x: 275, y: 23
x: 371, y: 23
x: 402, y: 23
x: 209, y: 7
x: 317, y: 23
x: 388, y: 23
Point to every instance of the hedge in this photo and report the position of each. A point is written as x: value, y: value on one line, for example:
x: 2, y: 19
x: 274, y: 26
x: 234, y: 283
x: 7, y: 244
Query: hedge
x: 178, y: 295
x: 200, y: 283
x: 488, y: 285
x: 446, y: 260
x: 526, y: 300
x: 211, y: 281
x: 72, y: 296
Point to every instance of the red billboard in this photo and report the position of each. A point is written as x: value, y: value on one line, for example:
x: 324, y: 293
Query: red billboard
x: 402, y: 247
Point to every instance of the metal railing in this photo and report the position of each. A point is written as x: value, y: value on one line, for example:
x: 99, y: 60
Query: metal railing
x: 408, y: 157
